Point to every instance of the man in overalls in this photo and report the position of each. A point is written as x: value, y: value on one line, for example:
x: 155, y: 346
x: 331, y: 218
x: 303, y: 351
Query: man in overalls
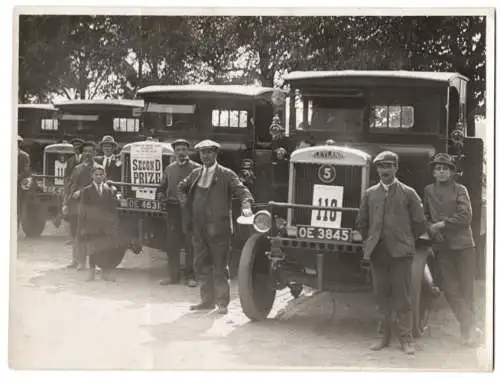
x: 207, y: 196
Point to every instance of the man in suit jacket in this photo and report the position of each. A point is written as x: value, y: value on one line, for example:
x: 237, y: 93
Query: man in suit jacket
x: 80, y: 178
x: 74, y: 160
x: 207, y: 194
x: 97, y: 222
x: 172, y: 176
x: 391, y: 218
x: 112, y: 165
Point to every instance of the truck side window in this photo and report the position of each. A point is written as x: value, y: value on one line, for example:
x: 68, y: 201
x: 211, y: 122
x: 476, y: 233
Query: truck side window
x: 230, y: 118
x: 126, y: 125
x: 50, y: 124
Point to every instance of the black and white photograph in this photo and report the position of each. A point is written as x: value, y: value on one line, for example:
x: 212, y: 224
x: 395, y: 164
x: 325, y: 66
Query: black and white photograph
x: 224, y: 190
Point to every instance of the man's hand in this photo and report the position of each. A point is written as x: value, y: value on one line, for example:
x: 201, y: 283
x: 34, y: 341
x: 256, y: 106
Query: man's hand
x: 76, y: 195
x: 246, y: 212
x: 435, y: 227
x: 65, y: 210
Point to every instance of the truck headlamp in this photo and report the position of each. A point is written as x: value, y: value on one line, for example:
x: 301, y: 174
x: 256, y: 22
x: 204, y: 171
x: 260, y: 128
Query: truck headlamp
x: 263, y: 221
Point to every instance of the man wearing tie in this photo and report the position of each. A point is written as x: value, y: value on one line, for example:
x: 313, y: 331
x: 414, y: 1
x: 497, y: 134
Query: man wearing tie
x: 112, y: 165
x: 98, y: 223
x: 207, y: 196
x: 391, y: 217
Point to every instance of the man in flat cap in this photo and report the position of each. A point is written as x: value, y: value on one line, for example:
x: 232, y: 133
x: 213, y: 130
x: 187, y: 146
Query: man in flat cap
x: 174, y: 173
x: 207, y: 193
x: 80, y: 178
x: 74, y: 160
x: 390, y: 219
x: 111, y: 164
x: 448, y: 211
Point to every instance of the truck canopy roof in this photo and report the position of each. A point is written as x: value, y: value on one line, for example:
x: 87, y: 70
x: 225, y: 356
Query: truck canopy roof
x: 417, y: 75
x: 99, y: 103
x: 36, y: 106
x: 205, y: 89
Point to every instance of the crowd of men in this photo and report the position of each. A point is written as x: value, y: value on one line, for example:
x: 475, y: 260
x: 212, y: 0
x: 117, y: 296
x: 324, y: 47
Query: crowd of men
x: 198, y: 199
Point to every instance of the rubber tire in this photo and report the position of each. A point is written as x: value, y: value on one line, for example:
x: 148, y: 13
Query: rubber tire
x: 33, y: 220
x: 419, y: 300
x: 256, y: 295
x: 112, y: 259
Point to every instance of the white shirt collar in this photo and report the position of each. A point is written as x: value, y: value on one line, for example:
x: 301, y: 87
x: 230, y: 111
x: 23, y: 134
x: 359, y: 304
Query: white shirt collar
x: 210, y: 169
x: 386, y: 187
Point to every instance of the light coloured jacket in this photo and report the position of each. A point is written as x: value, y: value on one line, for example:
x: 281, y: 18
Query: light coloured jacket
x: 403, y: 219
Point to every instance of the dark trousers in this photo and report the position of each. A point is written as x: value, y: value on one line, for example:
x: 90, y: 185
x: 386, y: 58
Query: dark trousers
x: 176, y: 238
x: 457, y: 269
x: 210, y: 265
x: 392, y: 281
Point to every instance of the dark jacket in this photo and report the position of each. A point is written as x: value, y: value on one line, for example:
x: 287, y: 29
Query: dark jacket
x: 114, y: 168
x: 23, y: 165
x: 402, y: 219
x: 73, y: 161
x: 173, y: 174
x: 452, y: 205
x: 80, y: 178
x: 97, y: 218
x: 225, y: 184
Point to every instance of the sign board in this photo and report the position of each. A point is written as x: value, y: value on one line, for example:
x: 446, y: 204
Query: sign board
x: 59, y: 169
x: 146, y: 168
x: 327, y: 196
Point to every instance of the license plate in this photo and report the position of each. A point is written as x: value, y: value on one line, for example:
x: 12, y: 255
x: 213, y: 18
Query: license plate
x: 324, y: 233
x: 143, y: 204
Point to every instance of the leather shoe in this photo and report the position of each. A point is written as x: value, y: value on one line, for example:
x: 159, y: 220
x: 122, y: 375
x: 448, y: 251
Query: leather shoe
x: 381, y: 344
x: 408, y: 347
x: 202, y: 306
x: 72, y: 266
x: 191, y: 282
x: 222, y: 310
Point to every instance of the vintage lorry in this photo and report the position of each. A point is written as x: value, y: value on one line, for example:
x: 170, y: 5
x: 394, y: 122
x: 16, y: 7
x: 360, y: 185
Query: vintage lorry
x: 45, y: 191
x: 337, y: 122
x: 238, y: 117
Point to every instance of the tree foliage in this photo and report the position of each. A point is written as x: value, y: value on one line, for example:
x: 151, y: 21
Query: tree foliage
x: 114, y: 56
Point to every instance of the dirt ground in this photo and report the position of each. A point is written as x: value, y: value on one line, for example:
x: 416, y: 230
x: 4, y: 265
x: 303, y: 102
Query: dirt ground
x: 58, y: 321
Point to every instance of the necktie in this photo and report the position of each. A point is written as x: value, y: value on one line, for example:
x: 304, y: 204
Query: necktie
x: 204, y: 178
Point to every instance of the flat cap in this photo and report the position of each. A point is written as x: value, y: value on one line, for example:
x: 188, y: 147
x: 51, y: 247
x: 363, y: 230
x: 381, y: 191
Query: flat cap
x: 386, y: 157
x: 442, y: 158
x: 76, y: 140
x: 207, y: 143
x: 108, y: 139
x: 180, y: 141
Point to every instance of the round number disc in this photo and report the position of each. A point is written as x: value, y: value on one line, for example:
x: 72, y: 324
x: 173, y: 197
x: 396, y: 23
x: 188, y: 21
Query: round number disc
x: 327, y: 173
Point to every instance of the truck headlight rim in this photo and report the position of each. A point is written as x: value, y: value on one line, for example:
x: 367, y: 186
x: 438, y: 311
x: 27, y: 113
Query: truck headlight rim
x: 263, y: 221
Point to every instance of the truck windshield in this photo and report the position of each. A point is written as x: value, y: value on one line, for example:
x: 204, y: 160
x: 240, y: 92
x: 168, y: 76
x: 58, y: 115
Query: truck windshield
x: 327, y: 112
x: 169, y: 117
